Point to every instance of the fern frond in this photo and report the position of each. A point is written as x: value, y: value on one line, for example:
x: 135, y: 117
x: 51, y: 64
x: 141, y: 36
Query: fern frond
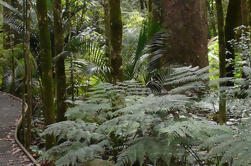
x: 234, y: 147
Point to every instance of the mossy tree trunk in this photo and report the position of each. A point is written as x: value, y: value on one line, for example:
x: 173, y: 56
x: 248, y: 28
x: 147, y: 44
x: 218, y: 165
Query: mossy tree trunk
x: 186, y: 25
x: 116, y: 40
x: 60, y: 66
x: 46, y: 68
x: 107, y: 31
x: 233, y: 20
x: 222, y: 55
x: 28, y: 74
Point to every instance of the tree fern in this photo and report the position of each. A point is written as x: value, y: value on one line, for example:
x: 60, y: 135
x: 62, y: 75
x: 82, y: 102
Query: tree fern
x: 233, y: 147
x: 80, y: 142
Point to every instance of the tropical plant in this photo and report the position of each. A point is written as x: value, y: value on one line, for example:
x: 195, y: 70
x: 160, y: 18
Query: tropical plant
x: 151, y: 130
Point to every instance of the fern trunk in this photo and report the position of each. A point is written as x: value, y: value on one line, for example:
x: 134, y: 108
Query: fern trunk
x: 60, y: 66
x: 116, y: 40
x: 46, y: 68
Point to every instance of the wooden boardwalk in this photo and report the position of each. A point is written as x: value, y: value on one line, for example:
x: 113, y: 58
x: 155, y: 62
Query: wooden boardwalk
x: 10, y: 153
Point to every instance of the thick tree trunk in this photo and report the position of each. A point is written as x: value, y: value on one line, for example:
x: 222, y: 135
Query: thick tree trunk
x: 186, y: 25
x: 60, y: 66
x: 28, y: 76
x: 46, y: 68
x: 222, y: 55
x: 244, y: 12
x: 116, y: 40
x: 233, y: 20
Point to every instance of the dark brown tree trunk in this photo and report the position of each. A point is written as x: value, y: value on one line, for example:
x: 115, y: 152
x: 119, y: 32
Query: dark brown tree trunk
x: 46, y: 68
x: 116, y: 40
x: 28, y: 76
x: 244, y: 12
x: 60, y: 66
x: 186, y: 26
x: 249, y: 11
x: 233, y: 20
x: 222, y: 55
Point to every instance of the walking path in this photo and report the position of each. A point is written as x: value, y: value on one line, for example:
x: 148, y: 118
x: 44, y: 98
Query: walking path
x: 10, y: 153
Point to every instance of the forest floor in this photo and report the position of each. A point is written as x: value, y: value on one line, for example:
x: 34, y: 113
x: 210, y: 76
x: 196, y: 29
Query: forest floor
x: 10, y: 153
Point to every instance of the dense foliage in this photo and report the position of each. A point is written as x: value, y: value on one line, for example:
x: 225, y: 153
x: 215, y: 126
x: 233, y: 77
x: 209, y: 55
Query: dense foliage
x: 164, y: 110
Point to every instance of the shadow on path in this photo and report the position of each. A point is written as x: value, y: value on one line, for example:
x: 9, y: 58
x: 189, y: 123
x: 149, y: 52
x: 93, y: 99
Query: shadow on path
x: 10, y: 153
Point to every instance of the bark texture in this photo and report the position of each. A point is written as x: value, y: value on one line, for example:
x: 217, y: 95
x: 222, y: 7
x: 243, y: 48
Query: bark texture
x: 222, y: 55
x: 186, y: 25
x: 116, y: 40
x: 233, y: 20
x: 46, y: 68
x: 60, y: 66
x: 28, y: 74
x: 244, y: 12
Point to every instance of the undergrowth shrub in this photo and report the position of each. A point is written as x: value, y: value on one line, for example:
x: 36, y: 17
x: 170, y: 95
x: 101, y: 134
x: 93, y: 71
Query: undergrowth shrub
x: 126, y: 124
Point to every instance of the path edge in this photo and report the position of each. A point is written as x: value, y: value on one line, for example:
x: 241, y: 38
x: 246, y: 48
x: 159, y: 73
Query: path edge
x: 18, y: 126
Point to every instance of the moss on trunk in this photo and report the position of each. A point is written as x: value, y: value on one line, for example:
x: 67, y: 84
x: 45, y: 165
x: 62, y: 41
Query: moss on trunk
x: 116, y: 40
x: 220, y: 19
x: 60, y: 66
x: 46, y: 68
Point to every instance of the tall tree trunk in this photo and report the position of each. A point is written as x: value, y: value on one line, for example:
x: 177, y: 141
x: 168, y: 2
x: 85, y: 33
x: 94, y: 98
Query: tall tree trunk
x: 107, y: 30
x: 244, y: 12
x: 222, y: 55
x: 28, y: 76
x: 233, y: 20
x: 60, y: 66
x: 46, y: 68
x: 249, y: 11
x: 186, y: 26
x: 116, y: 40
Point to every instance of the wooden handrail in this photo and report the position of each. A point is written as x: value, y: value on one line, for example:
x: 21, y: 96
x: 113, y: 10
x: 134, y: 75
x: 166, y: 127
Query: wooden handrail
x: 17, y: 128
